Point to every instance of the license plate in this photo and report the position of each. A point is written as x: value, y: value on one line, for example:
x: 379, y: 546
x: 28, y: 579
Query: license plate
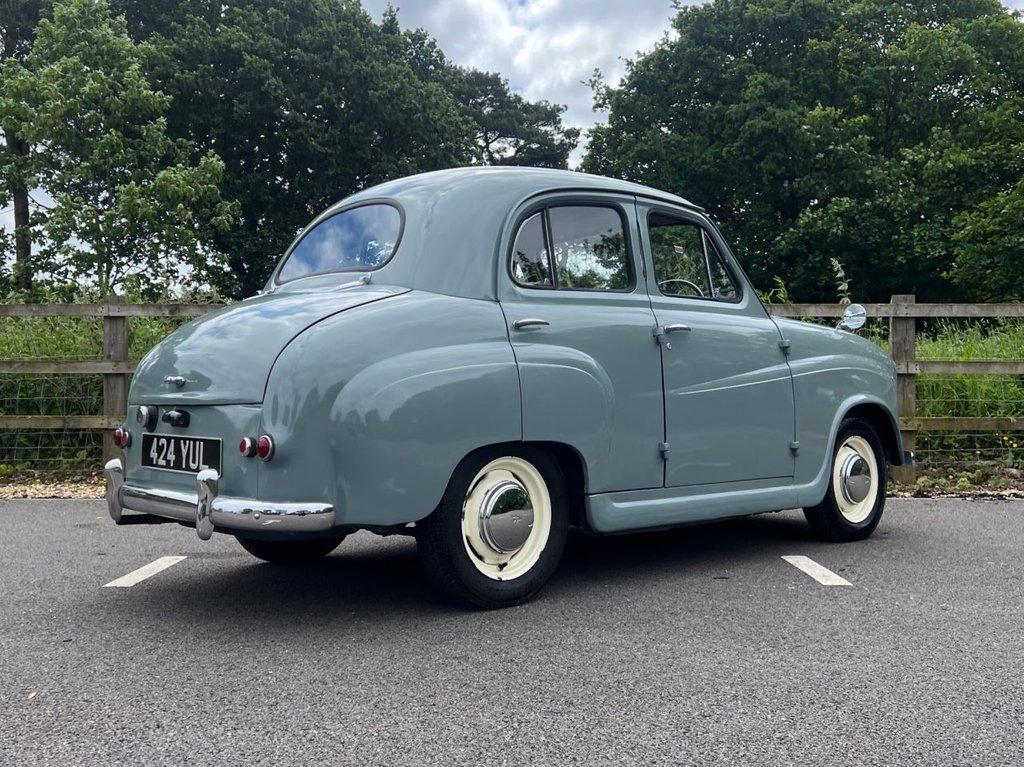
x: 185, y: 454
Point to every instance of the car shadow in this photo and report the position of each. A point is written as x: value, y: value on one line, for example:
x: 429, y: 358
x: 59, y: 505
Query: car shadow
x: 378, y: 584
x: 704, y: 546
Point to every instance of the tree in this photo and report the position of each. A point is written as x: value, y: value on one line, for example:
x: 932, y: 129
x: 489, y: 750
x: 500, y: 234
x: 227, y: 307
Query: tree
x: 18, y: 19
x: 305, y: 100
x: 860, y: 130
x: 127, y: 199
x: 509, y: 129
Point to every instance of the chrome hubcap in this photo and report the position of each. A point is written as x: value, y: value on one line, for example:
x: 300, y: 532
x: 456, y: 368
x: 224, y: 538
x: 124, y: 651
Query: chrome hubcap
x: 856, y: 476
x: 506, y: 516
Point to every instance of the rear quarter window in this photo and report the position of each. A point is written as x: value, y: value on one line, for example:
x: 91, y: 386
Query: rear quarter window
x: 357, y: 239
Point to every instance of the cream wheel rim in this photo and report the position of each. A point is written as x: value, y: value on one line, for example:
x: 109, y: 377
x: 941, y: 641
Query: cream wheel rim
x: 506, y: 518
x: 855, y: 479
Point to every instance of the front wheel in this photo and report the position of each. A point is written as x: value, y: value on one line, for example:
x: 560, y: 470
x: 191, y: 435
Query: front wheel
x: 853, y: 505
x: 500, y: 529
x: 290, y: 552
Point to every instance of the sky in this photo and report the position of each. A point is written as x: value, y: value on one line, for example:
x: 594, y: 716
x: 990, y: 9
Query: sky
x: 546, y: 48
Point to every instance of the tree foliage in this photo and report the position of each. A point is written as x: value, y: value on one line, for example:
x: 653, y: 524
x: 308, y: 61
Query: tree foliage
x: 126, y: 197
x: 281, y: 106
x: 305, y: 101
x: 509, y: 129
x: 18, y: 20
x: 886, y: 135
x: 308, y: 101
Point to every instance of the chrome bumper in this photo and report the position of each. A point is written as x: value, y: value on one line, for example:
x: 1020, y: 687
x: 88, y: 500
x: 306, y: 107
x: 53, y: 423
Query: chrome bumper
x: 207, y: 510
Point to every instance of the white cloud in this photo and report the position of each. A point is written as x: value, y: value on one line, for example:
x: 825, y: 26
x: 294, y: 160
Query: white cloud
x: 546, y: 48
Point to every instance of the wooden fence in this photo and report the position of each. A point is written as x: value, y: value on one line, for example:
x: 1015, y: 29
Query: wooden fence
x: 115, y: 367
x: 902, y: 312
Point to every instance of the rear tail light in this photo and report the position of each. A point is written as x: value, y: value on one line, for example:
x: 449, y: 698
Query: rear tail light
x: 247, y: 447
x: 265, y: 448
x: 122, y: 437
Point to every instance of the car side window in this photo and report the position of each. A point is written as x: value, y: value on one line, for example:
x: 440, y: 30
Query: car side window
x: 686, y: 262
x: 572, y: 247
x: 589, y: 248
x: 530, y: 261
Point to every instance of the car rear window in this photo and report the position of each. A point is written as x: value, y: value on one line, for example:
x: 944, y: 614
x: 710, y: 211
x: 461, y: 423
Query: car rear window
x: 357, y: 239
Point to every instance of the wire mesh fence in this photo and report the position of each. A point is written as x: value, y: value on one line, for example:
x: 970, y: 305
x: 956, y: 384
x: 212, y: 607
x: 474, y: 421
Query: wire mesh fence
x: 63, y: 450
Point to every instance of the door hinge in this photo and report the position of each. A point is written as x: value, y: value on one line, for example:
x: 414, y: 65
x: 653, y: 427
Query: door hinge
x: 661, y: 337
x: 663, y: 449
x: 785, y: 345
x: 794, y: 446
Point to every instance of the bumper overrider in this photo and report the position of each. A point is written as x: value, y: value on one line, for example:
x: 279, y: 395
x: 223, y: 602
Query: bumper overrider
x: 209, y: 511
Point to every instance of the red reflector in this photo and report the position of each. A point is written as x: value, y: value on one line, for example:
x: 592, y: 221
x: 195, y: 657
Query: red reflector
x: 122, y: 437
x: 265, y: 448
x: 247, y: 447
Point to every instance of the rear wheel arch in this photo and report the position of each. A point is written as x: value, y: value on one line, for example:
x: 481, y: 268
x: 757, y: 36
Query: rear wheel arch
x: 574, y: 470
x: 569, y: 461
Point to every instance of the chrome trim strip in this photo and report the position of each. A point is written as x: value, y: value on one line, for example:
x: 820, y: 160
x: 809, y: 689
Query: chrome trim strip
x: 208, y: 511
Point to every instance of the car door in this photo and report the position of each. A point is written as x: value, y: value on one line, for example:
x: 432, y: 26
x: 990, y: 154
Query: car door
x: 729, y: 410
x: 580, y: 322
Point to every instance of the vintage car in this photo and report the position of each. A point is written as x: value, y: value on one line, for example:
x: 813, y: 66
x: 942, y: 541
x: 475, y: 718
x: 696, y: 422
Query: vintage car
x: 485, y: 357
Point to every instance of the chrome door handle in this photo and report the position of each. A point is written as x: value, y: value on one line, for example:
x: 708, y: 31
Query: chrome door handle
x: 678, y: 328
x: 529, y: 322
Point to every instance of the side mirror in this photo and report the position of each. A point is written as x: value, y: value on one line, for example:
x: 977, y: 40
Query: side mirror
x: 853, y: 318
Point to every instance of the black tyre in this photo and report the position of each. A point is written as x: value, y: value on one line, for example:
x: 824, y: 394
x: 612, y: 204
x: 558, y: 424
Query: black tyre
x: 500, y: 530
x: 290, y: 552
x: 853, y: 505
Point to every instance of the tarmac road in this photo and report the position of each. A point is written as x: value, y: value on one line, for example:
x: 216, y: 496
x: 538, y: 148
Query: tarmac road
x: 695, y: 646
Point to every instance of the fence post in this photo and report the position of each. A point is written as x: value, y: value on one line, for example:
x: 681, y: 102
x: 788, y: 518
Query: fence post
x: 903, y: 339
x: 115, y: 385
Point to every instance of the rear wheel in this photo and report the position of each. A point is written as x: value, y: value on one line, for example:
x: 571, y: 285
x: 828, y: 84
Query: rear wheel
x: 290, y: 552
x: 500, y: 530
x: 853, y: 505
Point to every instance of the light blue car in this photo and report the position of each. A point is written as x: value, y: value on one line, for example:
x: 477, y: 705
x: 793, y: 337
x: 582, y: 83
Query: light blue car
x: 485, y: 357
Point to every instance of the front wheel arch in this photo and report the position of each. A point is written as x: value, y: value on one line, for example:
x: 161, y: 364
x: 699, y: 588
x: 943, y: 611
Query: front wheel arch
x: 885, y: 427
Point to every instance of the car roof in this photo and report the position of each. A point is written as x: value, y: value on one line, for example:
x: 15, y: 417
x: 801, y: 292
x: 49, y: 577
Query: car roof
x: 453, y: 220
x: 524, y: 179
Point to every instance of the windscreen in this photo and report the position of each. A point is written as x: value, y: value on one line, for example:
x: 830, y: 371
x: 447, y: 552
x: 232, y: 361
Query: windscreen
x: 357, y: 239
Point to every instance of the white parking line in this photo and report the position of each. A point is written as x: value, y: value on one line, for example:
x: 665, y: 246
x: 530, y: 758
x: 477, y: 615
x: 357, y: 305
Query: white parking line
x: 147, y: 571
x: 822, y: 575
